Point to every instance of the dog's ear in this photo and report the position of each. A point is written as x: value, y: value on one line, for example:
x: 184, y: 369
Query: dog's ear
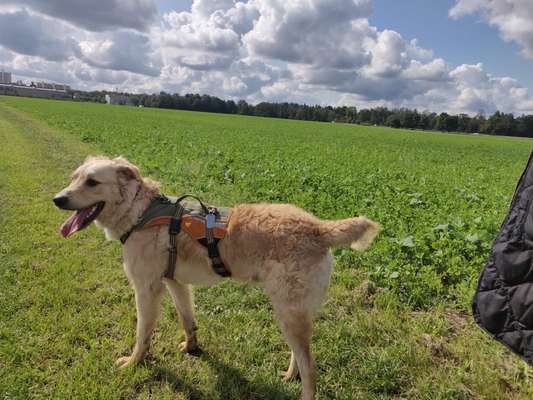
x: 127, y: 170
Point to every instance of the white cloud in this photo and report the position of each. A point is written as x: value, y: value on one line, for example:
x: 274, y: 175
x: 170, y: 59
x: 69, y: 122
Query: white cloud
x: 320, y: 33
x: 33, y: 34
x: 36, y: 67
x: 308, y: 51
x: 209, y: 37
x: 415, y: 51
x: 478, y: 90
x: 95, y: 15
x: 193, y: 32
x: 513, y: 18
x: 436, y: 70
x: 123, y: 50
x: 389, y: 55
x: 27, y: 33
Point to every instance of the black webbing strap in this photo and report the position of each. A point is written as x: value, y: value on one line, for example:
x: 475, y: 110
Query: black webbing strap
x: 174, y: 229
x: 212, y: 247
x: 204, y: 207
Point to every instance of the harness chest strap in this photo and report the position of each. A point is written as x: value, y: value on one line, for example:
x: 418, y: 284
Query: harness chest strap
x: 212, y: 244
x: 200, y: 225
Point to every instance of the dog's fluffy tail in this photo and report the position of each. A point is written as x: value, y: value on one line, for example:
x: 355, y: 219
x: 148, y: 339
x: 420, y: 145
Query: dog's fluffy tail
x: 358, y: 233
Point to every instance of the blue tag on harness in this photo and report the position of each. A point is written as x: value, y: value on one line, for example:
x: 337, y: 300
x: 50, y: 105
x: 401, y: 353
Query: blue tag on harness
x: 210, y: 221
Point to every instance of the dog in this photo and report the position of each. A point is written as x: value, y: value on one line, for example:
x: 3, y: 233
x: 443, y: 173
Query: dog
x: 278, y: 246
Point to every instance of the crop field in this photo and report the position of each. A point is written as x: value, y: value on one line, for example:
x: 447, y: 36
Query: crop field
x: 396, y: 323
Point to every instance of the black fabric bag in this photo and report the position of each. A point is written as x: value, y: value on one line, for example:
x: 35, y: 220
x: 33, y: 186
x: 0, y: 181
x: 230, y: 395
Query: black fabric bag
x: 503, y: 303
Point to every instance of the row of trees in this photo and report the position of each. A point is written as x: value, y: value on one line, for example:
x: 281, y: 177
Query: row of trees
x: 497, y: 124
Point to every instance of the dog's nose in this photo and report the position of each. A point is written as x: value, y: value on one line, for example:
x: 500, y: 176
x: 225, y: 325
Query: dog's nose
x: 60, y: 201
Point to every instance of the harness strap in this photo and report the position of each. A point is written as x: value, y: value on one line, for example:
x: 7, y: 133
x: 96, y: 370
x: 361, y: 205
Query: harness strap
x: 204, y: 207
x: 157, y: 199
x: 125, y: 237
x: 212, y: 247
x: 174, y: 229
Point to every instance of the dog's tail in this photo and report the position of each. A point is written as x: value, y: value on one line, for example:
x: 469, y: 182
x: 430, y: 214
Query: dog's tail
x: 358, y: 233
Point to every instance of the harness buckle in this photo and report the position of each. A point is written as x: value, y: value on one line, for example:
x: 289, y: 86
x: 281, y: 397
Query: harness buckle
x: 175, y: 226
x: 210, y: 220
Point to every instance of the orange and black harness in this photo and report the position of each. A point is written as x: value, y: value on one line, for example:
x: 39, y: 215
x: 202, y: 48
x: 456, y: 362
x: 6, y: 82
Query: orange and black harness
x: 205, y: 224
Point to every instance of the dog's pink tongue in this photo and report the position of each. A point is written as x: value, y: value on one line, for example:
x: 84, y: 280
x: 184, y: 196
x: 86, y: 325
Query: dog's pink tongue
x: 75, y: 222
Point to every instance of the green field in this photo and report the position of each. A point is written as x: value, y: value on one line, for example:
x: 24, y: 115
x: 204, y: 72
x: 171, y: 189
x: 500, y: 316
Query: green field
x: 396, y: 323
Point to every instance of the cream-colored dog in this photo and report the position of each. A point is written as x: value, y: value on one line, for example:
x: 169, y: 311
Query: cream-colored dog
x: 281, y: 247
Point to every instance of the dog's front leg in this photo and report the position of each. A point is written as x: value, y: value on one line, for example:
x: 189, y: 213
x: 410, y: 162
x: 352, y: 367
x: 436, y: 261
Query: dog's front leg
x: 183, y: 301
x: 147, y: 300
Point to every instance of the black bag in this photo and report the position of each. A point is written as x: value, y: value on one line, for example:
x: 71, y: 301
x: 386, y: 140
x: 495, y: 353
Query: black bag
x: 503, y: 303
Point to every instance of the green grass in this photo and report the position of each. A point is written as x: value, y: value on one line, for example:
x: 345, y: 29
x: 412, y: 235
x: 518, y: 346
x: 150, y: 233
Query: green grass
x: 439, y: 197
x: 66, y: 311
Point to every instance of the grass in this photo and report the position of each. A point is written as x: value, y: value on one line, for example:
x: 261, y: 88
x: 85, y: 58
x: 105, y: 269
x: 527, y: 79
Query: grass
x: 66, y: 311
x: 440, y: 197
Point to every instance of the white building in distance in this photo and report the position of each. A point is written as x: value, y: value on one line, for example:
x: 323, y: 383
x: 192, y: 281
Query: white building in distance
x: 118, y: 99
x: 5, y: 77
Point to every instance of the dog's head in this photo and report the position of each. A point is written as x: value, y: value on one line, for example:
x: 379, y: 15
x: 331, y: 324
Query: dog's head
x: 97, y: 188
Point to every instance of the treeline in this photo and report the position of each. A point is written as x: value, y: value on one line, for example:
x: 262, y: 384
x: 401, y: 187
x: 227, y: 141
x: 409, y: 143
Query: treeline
x: 496, y: 124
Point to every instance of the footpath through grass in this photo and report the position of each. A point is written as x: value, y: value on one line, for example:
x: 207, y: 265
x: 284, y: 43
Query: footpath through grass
x: 66, y: 313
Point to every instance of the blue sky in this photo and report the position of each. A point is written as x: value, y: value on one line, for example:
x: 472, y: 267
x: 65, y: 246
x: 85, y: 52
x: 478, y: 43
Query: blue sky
x: 447, y: 55
x: 467, y: 40
x: 165, y: 6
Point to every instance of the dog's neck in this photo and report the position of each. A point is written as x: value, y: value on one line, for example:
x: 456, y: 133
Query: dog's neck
x: 129, y: 211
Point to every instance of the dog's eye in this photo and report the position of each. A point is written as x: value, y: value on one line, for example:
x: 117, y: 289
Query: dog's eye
x: 91, y: 182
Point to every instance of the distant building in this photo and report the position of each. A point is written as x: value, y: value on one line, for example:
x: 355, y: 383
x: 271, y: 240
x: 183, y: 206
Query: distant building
x: 5, y: 77
x: 51, y: 86
x: 28, y: 91
x: 64, y: 88
x: 35, y: 89
x: 118, y: 99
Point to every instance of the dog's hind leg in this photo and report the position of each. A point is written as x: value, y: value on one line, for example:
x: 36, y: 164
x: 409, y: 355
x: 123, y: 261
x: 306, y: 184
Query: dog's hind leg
x: 184, y: 302
x: 147, y: 300
x: 296, y: 327
x: 296, y: 292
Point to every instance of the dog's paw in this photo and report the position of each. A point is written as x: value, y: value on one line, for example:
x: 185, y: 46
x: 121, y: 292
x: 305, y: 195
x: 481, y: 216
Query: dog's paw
x: 290, y: 375
x: 190, y: 348
x: 123, y: 362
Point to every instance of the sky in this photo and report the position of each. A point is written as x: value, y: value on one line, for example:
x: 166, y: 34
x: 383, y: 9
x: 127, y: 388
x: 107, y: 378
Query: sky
x: 456, y: 56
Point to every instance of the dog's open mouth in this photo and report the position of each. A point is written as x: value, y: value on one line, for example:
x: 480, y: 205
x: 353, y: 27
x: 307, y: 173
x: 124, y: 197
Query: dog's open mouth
x: 81, y: 219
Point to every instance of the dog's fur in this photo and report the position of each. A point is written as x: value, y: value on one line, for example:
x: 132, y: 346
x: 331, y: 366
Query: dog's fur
x: 279, y: 246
